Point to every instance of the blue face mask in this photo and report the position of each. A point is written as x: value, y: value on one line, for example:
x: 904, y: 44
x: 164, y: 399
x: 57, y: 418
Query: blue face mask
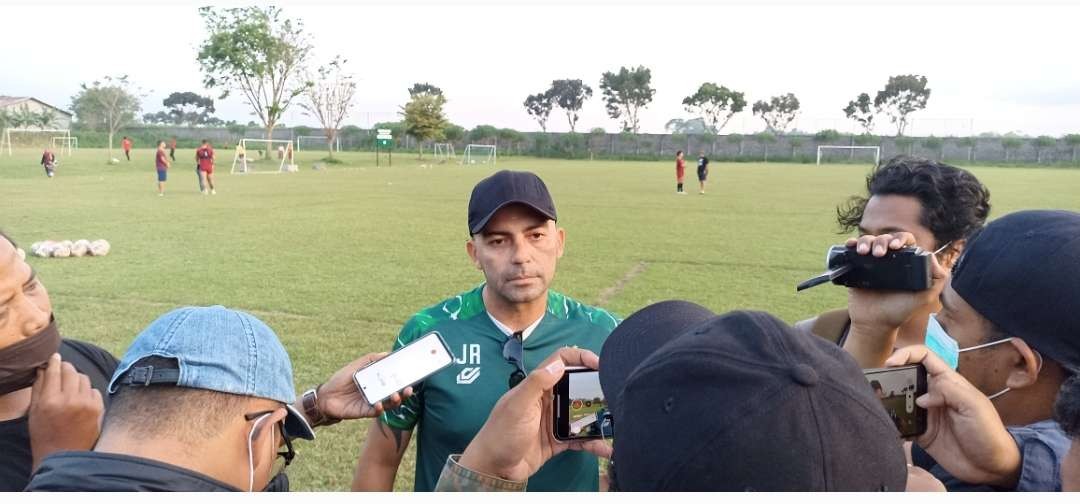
x: 939, y: 342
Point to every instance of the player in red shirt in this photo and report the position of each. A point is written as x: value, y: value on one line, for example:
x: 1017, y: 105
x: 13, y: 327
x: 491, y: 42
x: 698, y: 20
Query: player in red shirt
x: 126, y: 145
x: 204, y: 155
x: 680, y: 172
x: 48, y: 160
x: 161, y: 162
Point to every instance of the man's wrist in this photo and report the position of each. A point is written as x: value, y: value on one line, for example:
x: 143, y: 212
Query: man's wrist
x: 312, y: 404
x: 870, y: 343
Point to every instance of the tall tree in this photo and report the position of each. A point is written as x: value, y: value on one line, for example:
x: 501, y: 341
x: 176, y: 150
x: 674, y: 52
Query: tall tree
x: 903, y: 94
x: 258, y: 52
x: 778, y: 112
x: 861, y: 110
x: 424, y: 118
x: 539, y: 106
x: 970, y: 143
x: 717, y: 104
x: 189, y: 108
x: 626, y: 93
x: 695, y: 126
x: 570, y: 95
x: 108, y: 104
x: 45, y: 119
x: 329, y: 94
x: 1073, y: 141
x: 423, y: 88
x: 1041, y: 144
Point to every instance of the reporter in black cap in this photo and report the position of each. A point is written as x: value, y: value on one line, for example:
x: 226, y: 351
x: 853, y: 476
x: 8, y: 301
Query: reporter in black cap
x: 1012, y: 307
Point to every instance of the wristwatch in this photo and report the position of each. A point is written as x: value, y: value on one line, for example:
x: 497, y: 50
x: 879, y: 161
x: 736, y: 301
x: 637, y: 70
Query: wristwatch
x: 310, y: 402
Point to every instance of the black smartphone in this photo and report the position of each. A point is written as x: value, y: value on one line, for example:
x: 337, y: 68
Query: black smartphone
x: 897, y: 388
x: 579, y: 407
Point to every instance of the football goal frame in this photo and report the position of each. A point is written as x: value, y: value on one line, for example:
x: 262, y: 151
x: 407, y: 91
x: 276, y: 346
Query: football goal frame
x: 70, y: 143
x: 875, y: 148
x: 444, y: 152
x: 5, y: 138
x: 473, y: 152
x: 300, y: 143
x: 245, y: 164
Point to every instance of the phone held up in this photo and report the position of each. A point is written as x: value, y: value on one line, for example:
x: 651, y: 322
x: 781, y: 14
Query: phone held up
x: 897, y: 388
x: 405, y: 367
x: 580, y: 411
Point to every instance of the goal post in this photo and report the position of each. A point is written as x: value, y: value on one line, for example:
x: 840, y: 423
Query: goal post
x: 62, y: 143
x: 256, y: 155
x: 5, y: 137
x: 320, y: 140
x: 876, y: 150
x: 444, y: 152
x: 479, y: 154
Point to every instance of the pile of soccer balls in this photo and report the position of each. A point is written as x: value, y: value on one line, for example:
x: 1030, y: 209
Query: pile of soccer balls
x: 69, y: 248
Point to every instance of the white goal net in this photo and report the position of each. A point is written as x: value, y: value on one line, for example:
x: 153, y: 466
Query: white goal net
x: 316, y: 143
x: 863, y: 151
x: 255, y: 155
x: 478, y: 154
x: 65, y: 143
x: 30, y: 138
x: 444, y: 152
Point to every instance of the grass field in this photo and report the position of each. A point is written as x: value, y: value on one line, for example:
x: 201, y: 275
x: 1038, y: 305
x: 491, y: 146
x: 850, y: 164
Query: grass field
x: 336, y: 260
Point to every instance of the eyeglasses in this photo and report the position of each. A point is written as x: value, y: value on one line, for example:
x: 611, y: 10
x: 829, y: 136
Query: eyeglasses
x: 513, y: 352
x: 289, y: 454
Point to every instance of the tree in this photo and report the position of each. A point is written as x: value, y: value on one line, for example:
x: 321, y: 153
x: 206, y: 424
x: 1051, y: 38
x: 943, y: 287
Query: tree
x: 256, y: 51
x: 5, y: 119
x: 935, y: 144
x: 570, y: 95
x: 424, y: 118
x: 860, y: 110
x: 188, y: 108
x: 236, y: 130
x: 827, y: 135
x: 765, y: 138
x: 1010, y: 143
x: 45, y: 119
x: 453, y: 133
x: 1041, y: 144
x: 510, y: 137
x: 695, y: 126
x: 539, y: 106
x: 329, y: 93
x: 736, y: 139
x: 23, y: 117
x: 1072, y: 140
x: 970, y: 143
x: 717, y: 104
x: 778, y: 112
x: 108, y: 104
x: 904, y: 144
x: 795, y: 143
x: 423, y: 88
x: 484, y: 133
x: 626, y: 93
x: 903, y: 94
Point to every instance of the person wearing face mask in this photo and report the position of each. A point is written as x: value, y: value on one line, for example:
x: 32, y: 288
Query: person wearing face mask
x: 203, y: 400
x: 1009, y: 324
x: 38, y: 413
x: 940, y: 205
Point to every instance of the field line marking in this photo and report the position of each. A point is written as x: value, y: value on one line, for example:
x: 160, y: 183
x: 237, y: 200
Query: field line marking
x: 609, y: 293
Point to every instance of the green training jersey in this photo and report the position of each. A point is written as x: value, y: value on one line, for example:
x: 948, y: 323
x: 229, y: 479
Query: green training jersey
x: 451, y: 406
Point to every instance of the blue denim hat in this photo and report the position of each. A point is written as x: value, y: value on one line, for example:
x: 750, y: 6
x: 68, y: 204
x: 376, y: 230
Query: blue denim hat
x: 215, y: 349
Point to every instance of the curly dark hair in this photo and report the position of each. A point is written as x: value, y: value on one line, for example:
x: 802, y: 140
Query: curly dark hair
x: 954, y: 202
x: 1067, y: 407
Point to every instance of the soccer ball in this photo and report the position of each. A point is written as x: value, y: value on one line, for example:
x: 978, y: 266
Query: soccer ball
x: 99, y: 248
x: 80, y: 248
x: 472, y: 161
x: 114, y: 161
x: 61, y: 250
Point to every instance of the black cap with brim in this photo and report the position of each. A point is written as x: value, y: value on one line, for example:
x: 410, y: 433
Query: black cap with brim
x: 639, y: 336
x: 506, y: 188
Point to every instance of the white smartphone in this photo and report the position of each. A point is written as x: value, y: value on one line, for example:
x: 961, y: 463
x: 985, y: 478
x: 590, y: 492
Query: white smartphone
x: 407, y: 366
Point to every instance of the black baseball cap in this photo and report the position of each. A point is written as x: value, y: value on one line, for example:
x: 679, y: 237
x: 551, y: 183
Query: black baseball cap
x: 1022, y: 272
x: 504, y: 188
x: 743, y: 402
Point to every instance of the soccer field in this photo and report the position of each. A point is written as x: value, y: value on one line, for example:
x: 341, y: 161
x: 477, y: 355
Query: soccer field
x: 335, y: 260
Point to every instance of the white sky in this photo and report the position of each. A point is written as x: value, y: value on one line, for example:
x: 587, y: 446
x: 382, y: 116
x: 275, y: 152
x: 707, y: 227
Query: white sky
x: 991, y: 68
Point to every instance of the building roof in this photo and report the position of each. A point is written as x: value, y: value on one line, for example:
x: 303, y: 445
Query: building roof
x: 9, y: 101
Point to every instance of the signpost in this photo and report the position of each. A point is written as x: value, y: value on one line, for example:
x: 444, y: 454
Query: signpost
x: 384, y: 140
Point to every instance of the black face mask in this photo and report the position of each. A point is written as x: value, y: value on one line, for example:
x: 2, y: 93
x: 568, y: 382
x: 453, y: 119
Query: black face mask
x: 19, y: 362
x: 279, y: 483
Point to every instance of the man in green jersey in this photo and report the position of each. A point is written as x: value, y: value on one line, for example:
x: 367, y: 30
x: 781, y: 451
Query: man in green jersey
x: 497, y: 332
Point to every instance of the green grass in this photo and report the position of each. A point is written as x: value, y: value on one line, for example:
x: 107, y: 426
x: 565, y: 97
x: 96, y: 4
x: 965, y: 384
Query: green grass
x: 335, y: 260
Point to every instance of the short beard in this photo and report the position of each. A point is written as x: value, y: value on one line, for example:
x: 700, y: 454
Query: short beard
x: 520, y: 296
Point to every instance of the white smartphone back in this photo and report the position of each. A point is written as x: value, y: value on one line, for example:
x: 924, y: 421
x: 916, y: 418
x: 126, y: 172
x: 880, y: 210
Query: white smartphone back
x: 406, y: 366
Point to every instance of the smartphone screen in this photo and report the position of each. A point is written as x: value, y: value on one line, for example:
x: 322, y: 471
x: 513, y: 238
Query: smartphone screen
x: 406, y: 366
x: 897, y: 388
x: 579, y: 407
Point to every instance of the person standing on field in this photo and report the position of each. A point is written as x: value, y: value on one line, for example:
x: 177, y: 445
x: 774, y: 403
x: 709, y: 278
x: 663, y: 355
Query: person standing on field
x: 126, y: 145
x: 702, y: 170
x: 162, y: 164
x: 172, y: 149
x: 204, y: 155
x: 48, y: 160
x: 680, y: 172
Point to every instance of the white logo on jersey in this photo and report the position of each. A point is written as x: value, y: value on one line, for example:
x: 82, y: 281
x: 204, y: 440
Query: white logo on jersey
x: 468, y: 375
x: 470, y: 355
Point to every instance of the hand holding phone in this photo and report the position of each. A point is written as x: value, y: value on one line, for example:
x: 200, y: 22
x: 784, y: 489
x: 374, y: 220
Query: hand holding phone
x: 405, y: 367
x: 897, y: 388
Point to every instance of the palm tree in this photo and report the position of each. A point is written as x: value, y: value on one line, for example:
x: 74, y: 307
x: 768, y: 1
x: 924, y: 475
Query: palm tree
x: 45, y: 119
x: 23, y: 117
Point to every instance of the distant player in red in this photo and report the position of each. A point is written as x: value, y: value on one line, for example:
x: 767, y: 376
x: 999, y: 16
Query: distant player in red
x: 48, y: 160
x: 204, y: 155
x: 161, y: 162
x: 172, y: 149
x: 126, y: 145
x: 680, y: 172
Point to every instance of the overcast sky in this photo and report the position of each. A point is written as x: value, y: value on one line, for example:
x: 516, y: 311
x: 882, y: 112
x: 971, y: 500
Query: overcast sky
x: 991, y: 68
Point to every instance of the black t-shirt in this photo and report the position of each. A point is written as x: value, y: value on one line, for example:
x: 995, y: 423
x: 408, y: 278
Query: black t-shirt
x: 15, y: 457
x: 703, y: 163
